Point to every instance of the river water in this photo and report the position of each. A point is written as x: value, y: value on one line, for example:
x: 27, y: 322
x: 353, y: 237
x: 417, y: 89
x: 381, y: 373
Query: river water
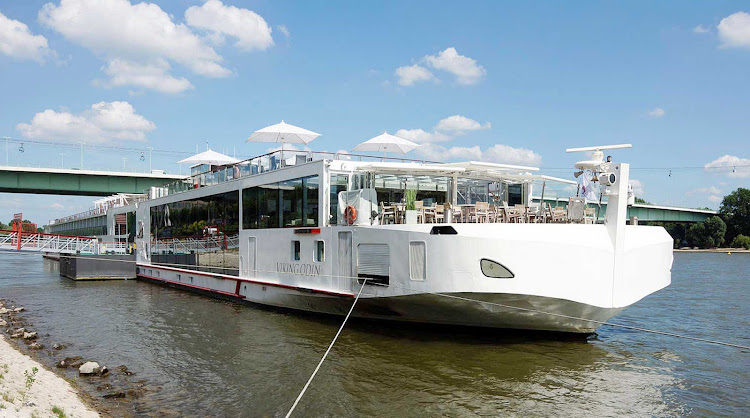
x: 203, y: 357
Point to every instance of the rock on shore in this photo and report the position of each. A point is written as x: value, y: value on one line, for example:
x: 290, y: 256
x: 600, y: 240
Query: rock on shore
x: 88, y: 368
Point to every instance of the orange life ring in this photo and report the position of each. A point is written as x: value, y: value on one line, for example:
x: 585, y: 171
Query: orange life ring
x: 350, y: 214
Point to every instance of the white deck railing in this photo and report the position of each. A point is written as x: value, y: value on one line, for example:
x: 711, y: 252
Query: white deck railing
x: 186, y: 245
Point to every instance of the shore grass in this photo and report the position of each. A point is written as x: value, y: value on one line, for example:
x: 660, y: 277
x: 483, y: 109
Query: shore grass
x: 58, y: 411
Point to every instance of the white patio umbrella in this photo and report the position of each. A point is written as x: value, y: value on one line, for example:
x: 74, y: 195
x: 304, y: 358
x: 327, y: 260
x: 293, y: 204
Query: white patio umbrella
x: 283, y: 133
x: 210, y: 157
x: 385, y: 143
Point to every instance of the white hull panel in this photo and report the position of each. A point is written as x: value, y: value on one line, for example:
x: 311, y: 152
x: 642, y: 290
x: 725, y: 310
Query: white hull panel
x: 535, y: 313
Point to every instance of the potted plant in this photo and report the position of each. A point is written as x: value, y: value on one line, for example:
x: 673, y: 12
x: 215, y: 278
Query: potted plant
x: 410, y: 197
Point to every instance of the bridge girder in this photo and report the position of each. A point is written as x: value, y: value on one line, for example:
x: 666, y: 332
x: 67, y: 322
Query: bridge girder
x: 85, y: 183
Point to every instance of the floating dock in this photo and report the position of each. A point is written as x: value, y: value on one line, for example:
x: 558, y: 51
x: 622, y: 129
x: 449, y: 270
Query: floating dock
x: 97, y: 267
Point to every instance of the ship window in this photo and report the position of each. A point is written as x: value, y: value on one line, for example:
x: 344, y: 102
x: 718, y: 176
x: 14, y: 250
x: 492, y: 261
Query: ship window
x: 515, y: 194
x: 494, y: 269
x: 260, y: 207
x: 339, y: 183
x: 290, y: 203
x: 296, y: 250
x: 320, y: 247
x: 196, y: 218
x: 417, y: 261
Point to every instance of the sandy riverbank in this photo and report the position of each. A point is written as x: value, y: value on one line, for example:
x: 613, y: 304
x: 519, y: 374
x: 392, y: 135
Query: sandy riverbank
x: 47, y: 391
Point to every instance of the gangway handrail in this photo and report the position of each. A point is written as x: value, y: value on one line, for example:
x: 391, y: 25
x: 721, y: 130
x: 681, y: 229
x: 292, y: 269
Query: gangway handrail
x: 38, y: 241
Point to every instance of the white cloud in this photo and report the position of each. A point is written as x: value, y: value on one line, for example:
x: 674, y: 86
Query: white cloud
x: 408, y: 75
x: 703, y: 190
x: 638, y: 189
x: 284, y: 31
x: 712, y: 193
x: 57, y: 206
x: 734, y: 30
x: 445, y: 130
x: 458, y: 123
x: 730, y: 166
x: 422, y: 137
x: 151, y: 76
x: 17, y: 41
x: 141, y: 35
x: 249, y: 28
x: 657, y: 113
x: 464, y: 68
x: 497, y: 154
x: 103, y: 122
x: 288, y: 147
x: 343, y: 154
x: 500, y: 153
x: 701, y: 29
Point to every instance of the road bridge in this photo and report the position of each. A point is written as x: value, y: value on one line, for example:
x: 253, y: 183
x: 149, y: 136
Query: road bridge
x: 655, y: 213
x: 78, y: 182
x: 646, y: 212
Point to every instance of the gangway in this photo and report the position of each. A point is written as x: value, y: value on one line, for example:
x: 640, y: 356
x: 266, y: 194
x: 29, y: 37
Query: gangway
x: 40, y: 242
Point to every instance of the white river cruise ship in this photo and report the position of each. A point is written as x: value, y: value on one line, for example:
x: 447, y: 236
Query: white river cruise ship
x: 468, y: 244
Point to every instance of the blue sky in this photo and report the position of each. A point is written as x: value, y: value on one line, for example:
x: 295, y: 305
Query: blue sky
x: 520, y: 81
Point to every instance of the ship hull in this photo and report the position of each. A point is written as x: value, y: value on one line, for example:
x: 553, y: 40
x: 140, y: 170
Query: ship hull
x: 470, y: 309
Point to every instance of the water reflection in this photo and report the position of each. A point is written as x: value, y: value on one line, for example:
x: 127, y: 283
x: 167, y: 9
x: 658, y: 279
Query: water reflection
x: 50, y: 266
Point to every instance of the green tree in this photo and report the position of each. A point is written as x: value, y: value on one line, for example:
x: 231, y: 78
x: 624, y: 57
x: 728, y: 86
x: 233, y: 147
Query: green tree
x: 741, y: 241
x: 640, y: 201
x: 707, y: 234
x: 735, y: 210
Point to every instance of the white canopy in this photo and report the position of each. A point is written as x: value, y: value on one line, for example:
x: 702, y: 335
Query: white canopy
x: 210, y: 157
x: 535, y: 177
x: 283, y: 133
x: 387, y: 143
x: 405, y: 168
x: 482, y: 166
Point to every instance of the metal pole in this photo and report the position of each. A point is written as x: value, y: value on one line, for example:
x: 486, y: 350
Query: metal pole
x: 81, y: 155
x: 62, y: 160
x: 149, y: 158
x: 7, y: 141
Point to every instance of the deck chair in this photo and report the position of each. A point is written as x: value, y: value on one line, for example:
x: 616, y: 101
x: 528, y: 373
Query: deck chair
x: 482, y: 213
x: 387, y: 213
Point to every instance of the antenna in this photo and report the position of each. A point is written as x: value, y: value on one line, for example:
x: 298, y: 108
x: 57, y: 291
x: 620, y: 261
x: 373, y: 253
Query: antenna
x: 599, y: 148
x: 596, y: 162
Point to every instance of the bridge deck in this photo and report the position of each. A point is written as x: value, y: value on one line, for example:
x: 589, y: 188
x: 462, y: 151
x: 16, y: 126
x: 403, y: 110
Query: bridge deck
x: 78, y: 182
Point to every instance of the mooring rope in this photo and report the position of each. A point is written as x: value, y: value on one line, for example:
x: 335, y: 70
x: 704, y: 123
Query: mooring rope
x: 320, y: 363
x: 611, y: 324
